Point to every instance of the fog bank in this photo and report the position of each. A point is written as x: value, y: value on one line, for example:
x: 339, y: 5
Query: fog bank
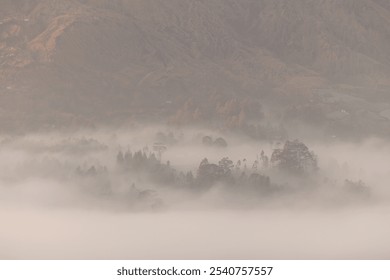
x: 71, y: 196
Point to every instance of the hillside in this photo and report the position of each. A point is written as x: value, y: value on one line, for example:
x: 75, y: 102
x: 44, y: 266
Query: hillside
x: 91, y: 62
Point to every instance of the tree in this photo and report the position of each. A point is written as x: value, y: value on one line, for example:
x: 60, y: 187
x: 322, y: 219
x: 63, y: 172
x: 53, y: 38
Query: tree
x: 204, y: 161
x: 226, y: 164
x: 220, y: 142
x: 264, y: 159
x: 255, y: 165
x: 159, y: 148
x: 209, y: 173
x: 238, y: 166
x: 295, y: 158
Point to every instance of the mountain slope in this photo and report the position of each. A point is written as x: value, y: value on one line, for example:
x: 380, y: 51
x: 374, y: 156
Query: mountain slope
x: 86, y: 62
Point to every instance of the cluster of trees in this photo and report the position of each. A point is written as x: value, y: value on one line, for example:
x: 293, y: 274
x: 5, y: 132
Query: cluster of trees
x: 294, y: 158
x: 219, y: 142
x: 146, y: 162
x: 229, y: 174
x: 207, y: 174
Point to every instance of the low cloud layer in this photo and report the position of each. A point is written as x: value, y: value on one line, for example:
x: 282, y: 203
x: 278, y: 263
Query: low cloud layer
x: 64, y: 197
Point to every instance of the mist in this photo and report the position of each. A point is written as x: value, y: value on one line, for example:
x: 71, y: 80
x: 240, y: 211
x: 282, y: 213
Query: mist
x: 277, y: 234
x: 67, y: 196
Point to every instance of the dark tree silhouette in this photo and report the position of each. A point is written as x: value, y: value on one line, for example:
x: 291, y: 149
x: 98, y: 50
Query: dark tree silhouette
x: 295, y: 157
x: 227, y: 165
x: 220, y: 142
x: 209, y: 173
